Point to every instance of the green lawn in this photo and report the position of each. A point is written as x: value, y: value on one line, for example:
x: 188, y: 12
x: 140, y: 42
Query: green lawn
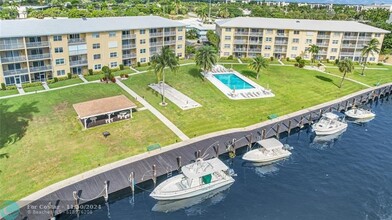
x: 99, y: 76
x: 65, y: 83
x: 294, y: 89
x: 45, y: 143
x: 371, y: 76
x: 8, y: 92
x: 184, y: 61
x: 33, y: 89
x: 143, y: 68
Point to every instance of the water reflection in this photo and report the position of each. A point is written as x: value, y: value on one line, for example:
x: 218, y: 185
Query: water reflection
x: 360, y: 122
x: 194, y: 205
x: 325, y: 141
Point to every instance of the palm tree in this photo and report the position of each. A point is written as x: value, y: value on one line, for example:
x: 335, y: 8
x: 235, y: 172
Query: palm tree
x: 371, y: 48
x: 258, y: 63
x: 166, y: 59
x: 202, y: 13
x: 206, y: 58
x: 223, y: 12
x: 314, y: 50
x: 345, y: 66
x: 107, y: 72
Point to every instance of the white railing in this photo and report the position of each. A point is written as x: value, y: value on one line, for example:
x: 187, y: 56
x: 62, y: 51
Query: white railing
x: 153, y: 44
x: 39, y: 56
x: 129, y: 56
x: 13, y: 59
x: 76, y: 41
x: 77, y: 52
x: 156, y: 34
x: 240, y: 41
x: 170, y: 33
x: 37, y: 44
x: 128, y: 36
x: 11, y: 46
x: 40, y: 68
x: 128, y: 46
x: 78, y: 62
x: 15, y: 72
x: 169, y: 42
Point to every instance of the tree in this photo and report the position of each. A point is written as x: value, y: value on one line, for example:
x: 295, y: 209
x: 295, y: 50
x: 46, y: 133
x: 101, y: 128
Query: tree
x: 258, y: 63
x: 189, y: 50
x: 191, y: 34
x: 345, y: 66
x: 213, y: 38
x: 206, y: 58
x: 107, y: 72
x: 202, y: 13
x: 314, y: 50
x: 166, y: 59
x: 371, y: 48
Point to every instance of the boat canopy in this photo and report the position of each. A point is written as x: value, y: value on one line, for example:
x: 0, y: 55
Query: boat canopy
x: 331, y: 116
x: 270, y: 144
x: 202, y: 168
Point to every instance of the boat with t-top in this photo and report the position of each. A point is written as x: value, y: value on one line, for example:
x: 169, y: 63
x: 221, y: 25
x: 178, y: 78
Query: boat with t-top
x: 271, y: 150
x: 329, y: 123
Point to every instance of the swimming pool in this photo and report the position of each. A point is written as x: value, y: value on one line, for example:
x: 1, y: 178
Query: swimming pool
x: 233, y: 81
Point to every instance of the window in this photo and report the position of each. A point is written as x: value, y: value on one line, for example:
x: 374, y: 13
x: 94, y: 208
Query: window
x: 142, y: 50
x: 227, y: 45
x: 296, y: 32
x: 97, y: 56
x: 294, y: 48
x: 143, y: 60
x: 377, y: 35
x: 179, y: 29
x: 228, y: 29
x: 332, y: 58
x: 96, y: 46
x: 226, y: 54
x: 97, y: 67
x: 227, y: 37
x: 267, y: 55
x: 58, y: 50
x: 142, y: 41
x: 179, y: 46
x: 308, y: 41
x: 336, y: 34
x: 113, y: 54
x: 113, y: 64
x: 295, y: 40
x: 335, y: 42
x: 95, y: 35
x: 372, y: 59
x: 267, y: 47
x: 268, y: 39
x: 112, y: 44
x: 179, y: 37
x: 60, y: 61
x: 269, y: 31
x: 142, y: 31
x: 293, y: 55
x: 334, y: 50
x: 57, y: 38
x: 112, y: 34
x: 60, y: 72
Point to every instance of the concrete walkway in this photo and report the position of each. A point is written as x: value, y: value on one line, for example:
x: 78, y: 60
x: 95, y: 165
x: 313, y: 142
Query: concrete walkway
x: 239, y: 60
x: 20, y: 89
x: 281, y: 63
x: 131, y: 68
x: 45, y: 85
x: 154, y: 111
x: 82, y: 78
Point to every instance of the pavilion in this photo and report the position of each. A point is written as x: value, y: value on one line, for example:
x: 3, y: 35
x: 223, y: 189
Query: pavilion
x: 104, y: 111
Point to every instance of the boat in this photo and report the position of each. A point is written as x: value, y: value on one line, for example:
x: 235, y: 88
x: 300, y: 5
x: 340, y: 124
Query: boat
x: 329, y: 123
x: 195, y: 179
x: 271, y: 150
x: 328, y: 138
x: 360, y: 113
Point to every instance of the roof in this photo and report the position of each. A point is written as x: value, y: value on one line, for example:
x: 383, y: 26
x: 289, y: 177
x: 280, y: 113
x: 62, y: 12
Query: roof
x: 270, y: 143
x: 299, y: 24
x: 103, y: 106
x: 202, y: 168
x: 40, y: 27
x: 197, y: 24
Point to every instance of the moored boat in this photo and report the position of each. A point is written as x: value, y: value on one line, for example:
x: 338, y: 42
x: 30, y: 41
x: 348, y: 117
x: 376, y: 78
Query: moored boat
x: 271, y: 150
x: 329, y: 123
x: 360, y: 113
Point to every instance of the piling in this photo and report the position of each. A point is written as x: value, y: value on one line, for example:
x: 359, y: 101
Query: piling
x: 154, y: 174
x: 289, y: 128
x: 179, y: 162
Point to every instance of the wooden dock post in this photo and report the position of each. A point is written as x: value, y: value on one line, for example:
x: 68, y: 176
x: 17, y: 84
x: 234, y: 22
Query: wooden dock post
x: 106, y: 196
x: 179, y: 162
x: 250, y: 141
x: 277, y: 130
x: 346, y: 107
x: 132, y: 182
x: 154, y: 174
x: 76, y: 201
x: 310, y: 118
x: 301, y: 122
x: 263, y: 134
x: 289, y: 128
x: 216, y: 149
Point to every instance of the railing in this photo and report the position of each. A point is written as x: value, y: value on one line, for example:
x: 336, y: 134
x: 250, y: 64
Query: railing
x: 280, y: 51
x: 153, y: 44
x: 128, y: 46
x: 240, y: 41
x: 256, y: 33
x: 77, y: 52
x: 348, y: 45
x: 323, y: 36
x: 241, y: 32
x: 40, y: 68
x: 78, y: 63
x: 350, y: 37
x: 128, y: 36
x: 37, y: 44
x: 11, y: 46
x: 240, y: 49
x: 322, y: 44
x: 169, y: 42
x: 347, y: 53
x: 170, y: 33
x: 152, y: 52
x: 15, y: 72
x: 255, y: 50
x: 77, y: 41
x: 255, y: 42
x: 281, y: 42
x: 365, y: 38
x: 156, y: 34
x: 13, y: 59
x: 322, y: 53
x: 39, y: 56
x: 129, y: 56
x: 282, y: 35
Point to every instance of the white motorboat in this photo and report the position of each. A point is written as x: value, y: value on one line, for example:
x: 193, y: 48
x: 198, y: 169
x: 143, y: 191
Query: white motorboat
x: 196, y: 178
x: 271, y: 150
x: 329, y: 123
x: 360, y: 113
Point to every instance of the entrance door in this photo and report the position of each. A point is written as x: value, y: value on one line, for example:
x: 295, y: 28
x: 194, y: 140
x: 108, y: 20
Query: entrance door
x: 42, y: 77
x: 77, y: 70
x: 17, y: 80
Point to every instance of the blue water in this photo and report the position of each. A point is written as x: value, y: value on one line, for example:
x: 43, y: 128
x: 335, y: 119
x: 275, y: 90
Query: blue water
x: 346, y: 178
x: 233, y: 81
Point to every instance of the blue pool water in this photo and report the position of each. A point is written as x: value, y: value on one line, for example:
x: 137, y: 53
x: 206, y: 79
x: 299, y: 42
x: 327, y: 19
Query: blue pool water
x: 349, y: 177
x: 233, y: 81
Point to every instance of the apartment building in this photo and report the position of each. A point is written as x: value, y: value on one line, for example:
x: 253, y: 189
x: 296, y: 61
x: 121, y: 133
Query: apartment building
x: 39, y: 49
x: 281, y: 38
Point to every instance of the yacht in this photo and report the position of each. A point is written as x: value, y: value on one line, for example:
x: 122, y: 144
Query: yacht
x: 360, y: 113
x: 196, y: 178
x: 329, y: 123
x: 271, y: 150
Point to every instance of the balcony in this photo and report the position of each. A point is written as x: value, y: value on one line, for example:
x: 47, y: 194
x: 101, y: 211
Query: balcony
x: 170, y: 33
x: 13, y: 59
x: 348, y: 45
x: 282, y: 35
x: 364, y: 38
x: 129, y: 56
x: 259, y: 34
x: 37, y: 44
x: 322, y: 44
x: 170, y: 42
x: 76, y: 41
x: 128, y: 46
x: 11, y: 46
x: 350, y: 37
x: 156, y: 34
x: 39, y: 56
x: 40, y: 68
x: 281, y: 42
x: 128, y: 36
x: 323, y: 36
x: 347, y: 53
x: 154, y: 44
x: 241, y: 33
x: 280, y: 51
x: 78, y: 63
x: 240, y: 42
x: 321, y: 52
x: 240, y: 49
x: 15, y: 72
x: 254, y: 50
x: 255, y: 42
x: 77, y: 52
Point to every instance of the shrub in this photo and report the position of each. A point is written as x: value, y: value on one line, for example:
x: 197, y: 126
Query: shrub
x: 122, y: 75
x: 126, y: 75
x: 90, y: 72
x: 337, y: 61
x: 113, y: 79
x: 380, y: 64
x: 33, y: 84
x: 288, y: 59
x: 138, y: 64
x: 10, y: 87
x: 69, y: 75
x: 272, y: 58
x: 62, y: 78
x: 50, y: 81
x: 55, y: 79
x: 301, y: 63
x: 319, y: 64
x: 298, y: 58
x: 296, y: 64
x: 149, y: 64
x: 3, y: 86
x: 230, y: 57
x: 327, y: 60
x: 121, y: 66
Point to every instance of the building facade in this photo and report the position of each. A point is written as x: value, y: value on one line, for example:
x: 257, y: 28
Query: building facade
x: 282, y: 38
x: 38, y: 50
